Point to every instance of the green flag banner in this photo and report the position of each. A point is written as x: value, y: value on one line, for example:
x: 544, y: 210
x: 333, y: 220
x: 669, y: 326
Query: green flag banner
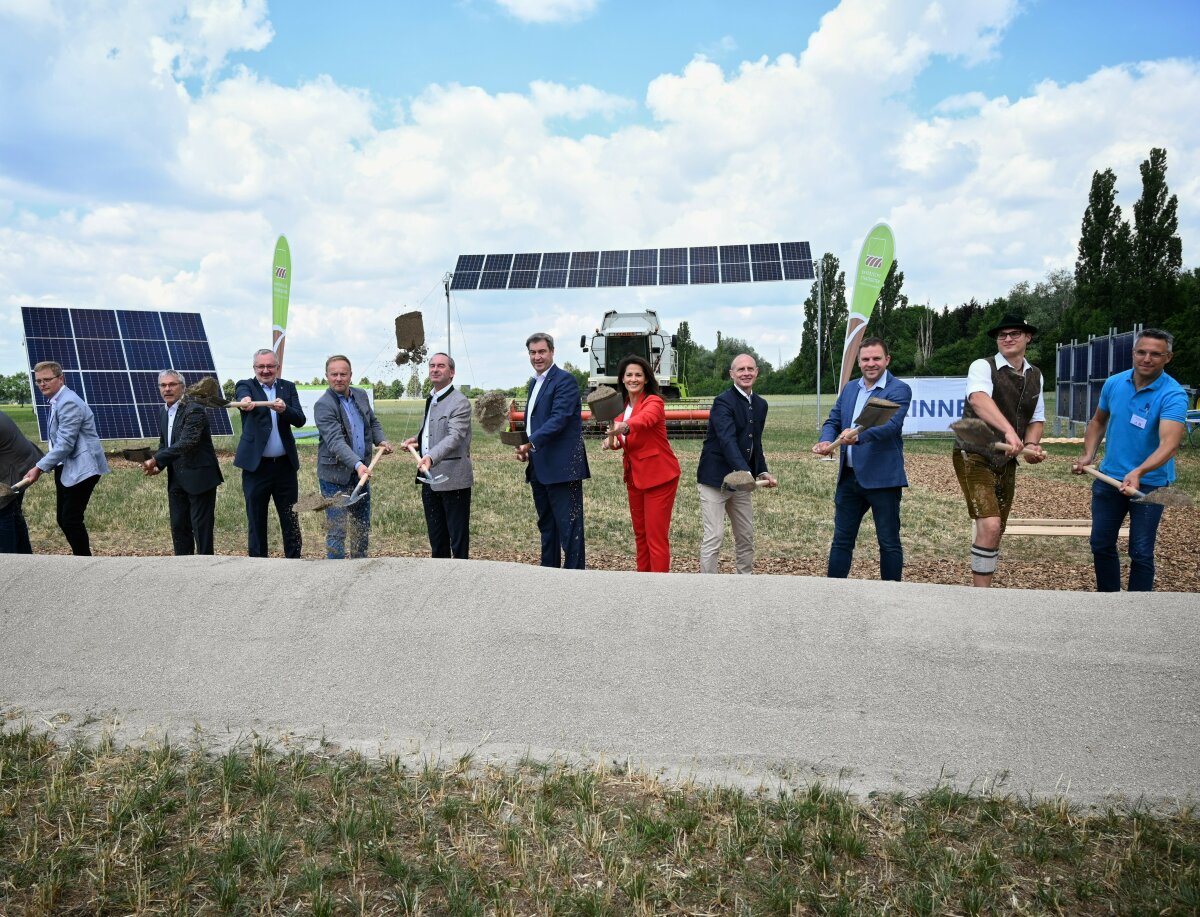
x: 281, y: 291
x: 874, y: 262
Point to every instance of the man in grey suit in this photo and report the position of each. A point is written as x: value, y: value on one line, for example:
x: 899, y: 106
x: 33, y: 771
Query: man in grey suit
x: 444, y: 445
x: 349, y: 432
x: 185, y: 449
x: 76, y: 454
x: 16, y: 454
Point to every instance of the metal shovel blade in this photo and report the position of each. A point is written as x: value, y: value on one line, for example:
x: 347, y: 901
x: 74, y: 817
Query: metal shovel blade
x: 436, y: 479
x: 875, y: 413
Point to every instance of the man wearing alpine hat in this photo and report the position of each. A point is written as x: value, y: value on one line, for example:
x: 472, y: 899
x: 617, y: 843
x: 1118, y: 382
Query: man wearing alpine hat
x: 1005, y: 392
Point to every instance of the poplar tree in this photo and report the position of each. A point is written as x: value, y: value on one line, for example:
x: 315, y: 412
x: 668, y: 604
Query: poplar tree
x: 1157, y: 249
x: 1102, y: 267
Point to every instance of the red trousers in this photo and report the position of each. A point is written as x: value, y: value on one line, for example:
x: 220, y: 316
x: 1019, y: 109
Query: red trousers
x: 650, y: 510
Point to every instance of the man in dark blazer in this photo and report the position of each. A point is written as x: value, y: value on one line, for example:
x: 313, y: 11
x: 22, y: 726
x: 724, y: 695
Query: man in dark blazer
x: 444, y: 446
x: 17, y: 453
x: 350, y: 431
x: 267, y: 456
x: 557, y: 462
x: 185, y: 449
x: 76, y: 455
x: 733, y: 443
x: 871, y: 471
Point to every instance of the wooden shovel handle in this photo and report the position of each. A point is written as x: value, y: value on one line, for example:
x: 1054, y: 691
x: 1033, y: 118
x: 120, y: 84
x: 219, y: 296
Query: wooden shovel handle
x: 838, y: 442
x: 415, y: 454
x: 375, y: 458
x: 1101, y: 476
x: 1003, y: 447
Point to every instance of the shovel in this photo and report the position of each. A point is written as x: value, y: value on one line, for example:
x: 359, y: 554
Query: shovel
x: 742, y: 481
x: 976, y: 432
x: 426, y: 477
x: 11, y: 490
x: 358, y: 493
x: 875, y: 413
x: 207, y: 393
x: 1163, y: 496
x: 313, y: 502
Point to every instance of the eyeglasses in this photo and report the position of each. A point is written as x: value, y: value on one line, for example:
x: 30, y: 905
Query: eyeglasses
x: 45, y: 381
x: 1009, y: 335
x: 262, y: 366
x: 1152, y: 354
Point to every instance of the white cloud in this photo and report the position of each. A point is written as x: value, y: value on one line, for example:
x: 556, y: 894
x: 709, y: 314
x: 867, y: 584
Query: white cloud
x: 817, y: 145
x: 545, y: 11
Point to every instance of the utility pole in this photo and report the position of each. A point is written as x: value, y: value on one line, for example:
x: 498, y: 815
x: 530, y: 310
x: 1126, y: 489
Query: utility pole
x: 446, y: 286
x: 817, y: 265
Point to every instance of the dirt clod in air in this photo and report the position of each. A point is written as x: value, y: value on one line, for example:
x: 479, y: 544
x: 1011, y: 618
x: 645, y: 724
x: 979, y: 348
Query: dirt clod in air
x: 491, y: 410
x: 410, y: 338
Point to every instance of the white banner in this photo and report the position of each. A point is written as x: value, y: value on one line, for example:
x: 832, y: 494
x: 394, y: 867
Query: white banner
x: 936, y: 403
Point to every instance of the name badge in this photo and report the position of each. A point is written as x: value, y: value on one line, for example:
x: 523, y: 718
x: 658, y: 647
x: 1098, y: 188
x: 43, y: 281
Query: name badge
x: 1138, y: 421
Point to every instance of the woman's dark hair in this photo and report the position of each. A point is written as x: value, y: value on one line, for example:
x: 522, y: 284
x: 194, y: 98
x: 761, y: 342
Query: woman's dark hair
x: 651, y: 382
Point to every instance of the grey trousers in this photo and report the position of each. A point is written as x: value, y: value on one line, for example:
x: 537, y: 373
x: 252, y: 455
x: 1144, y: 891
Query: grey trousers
x: 715, y: 505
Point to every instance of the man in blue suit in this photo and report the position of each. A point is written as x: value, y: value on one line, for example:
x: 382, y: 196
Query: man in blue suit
x: 76, y: 454
x: 266, y: 453
x: 557, y: 462
x: 733, y: 443
x: 871, y: 472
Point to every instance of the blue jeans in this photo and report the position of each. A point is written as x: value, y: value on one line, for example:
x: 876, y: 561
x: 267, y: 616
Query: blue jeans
x: 356, y: 518
x: 1109, y: 508
x: 851, y: 502
x: 14, y: 533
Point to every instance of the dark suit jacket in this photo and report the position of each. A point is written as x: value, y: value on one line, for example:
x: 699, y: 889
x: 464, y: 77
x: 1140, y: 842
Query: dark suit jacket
x: 879, y: 452
x: 734, y: 438
x: 649, y: 459
x: 558, y: 455
x: 190, y: 460
x: 256, y: 424
x: 17, y: 455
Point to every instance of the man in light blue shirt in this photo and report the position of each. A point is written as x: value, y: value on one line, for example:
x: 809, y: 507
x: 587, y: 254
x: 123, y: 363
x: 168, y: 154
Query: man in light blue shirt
x: 1143, y: 412
x: 349, y: 432
x: 871, y: 471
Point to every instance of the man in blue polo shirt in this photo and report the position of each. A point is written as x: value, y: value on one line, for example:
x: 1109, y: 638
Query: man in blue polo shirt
x: 1143, y: 411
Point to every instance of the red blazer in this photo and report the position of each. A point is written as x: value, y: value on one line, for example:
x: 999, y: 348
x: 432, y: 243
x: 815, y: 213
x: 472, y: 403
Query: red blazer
x: 649, y: 460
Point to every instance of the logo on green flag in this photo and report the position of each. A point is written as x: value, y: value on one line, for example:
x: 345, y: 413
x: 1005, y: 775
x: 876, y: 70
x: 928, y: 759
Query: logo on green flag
x: 874, y: 261
x: 281, y: 291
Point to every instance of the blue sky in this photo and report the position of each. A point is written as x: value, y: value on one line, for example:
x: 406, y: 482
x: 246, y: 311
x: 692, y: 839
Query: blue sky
x: 149, y: 154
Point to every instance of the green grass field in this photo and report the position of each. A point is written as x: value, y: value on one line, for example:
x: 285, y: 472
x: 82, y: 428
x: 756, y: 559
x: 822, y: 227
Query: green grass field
x: 794, y: 523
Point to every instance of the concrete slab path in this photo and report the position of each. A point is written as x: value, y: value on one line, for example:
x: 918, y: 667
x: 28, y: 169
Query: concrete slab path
x: 744, y: 679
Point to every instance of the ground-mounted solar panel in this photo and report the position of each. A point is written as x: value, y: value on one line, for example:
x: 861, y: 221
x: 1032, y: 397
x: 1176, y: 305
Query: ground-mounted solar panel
x: 638, y: 267
x: 112, y: 358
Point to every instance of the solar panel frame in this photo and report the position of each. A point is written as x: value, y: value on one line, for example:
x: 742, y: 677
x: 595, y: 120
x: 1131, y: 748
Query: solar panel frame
x: 112, y: 358
x: 673, y: 266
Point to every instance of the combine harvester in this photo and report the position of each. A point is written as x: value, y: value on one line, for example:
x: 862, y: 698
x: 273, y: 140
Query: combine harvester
x: 622, y: 334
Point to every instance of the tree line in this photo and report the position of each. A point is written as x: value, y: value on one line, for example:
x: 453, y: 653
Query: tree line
x: 1126, y: 273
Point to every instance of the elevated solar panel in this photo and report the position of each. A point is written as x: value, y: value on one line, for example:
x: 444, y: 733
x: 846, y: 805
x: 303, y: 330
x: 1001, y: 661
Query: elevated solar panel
x: 112, y: 357
x: 638, y: 267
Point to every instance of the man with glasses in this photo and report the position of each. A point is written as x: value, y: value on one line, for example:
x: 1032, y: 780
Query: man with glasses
x: 1006, y: 393
x: 76, y: 455
x: 1142, y: 410
x: 266, y: 453
x: 185, y: 449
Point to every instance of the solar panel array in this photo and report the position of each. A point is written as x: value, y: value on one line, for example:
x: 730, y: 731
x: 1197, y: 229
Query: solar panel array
x: 638, y: 267
x: 111, y: 358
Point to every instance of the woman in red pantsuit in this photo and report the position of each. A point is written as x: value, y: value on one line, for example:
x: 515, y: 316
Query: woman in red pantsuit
x: 651, y: 469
